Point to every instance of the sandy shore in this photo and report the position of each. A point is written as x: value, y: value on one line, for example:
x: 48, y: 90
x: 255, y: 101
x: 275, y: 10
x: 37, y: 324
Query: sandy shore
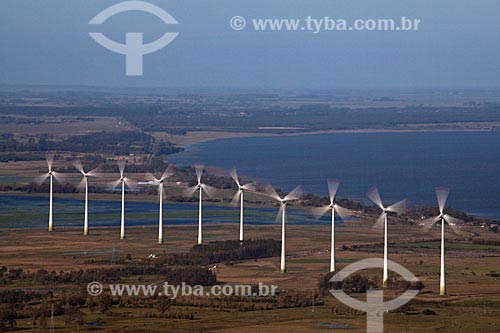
x: 193, y: 137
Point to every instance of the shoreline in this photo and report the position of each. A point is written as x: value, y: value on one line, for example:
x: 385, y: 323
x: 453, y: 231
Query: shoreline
x: 196, y: 137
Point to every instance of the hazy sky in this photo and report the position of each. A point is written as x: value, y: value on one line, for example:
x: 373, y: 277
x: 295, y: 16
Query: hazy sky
x: 457, y: 46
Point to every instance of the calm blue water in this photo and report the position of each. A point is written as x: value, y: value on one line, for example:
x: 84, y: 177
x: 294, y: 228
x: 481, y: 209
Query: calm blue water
x: 27, y: 211
x: 403, y: 165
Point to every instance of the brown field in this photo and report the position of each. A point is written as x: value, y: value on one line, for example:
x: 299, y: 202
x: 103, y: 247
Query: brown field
x: 66, y: 126
x: 307, y: 260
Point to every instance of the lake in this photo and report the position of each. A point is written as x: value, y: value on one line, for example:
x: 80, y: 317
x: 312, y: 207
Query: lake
x: 403, y: 165
x: 22, y: 211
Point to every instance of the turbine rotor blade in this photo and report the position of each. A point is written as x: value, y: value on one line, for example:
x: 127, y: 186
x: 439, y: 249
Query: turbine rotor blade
x: 199, y: 171
x: 271, y: 192
x: 442, y: 196
x: 81, y: 186
x: 399, y: 207
x: 130, y: 182
x: 344, y: 213
x: 209, y: 190
x: 318, y: 212
x: 189, y: 192
x: 374, y: 196
x: 121, y: 166
x: 295, y: 194
x: 249, y: 187
x: 454, y: 223
x: 236, y: 198
x: 279, y: 216
x: 428, y: 223
x: 42, y: 178
x: 115, y: 184
x: 94, y: 173
x: 333, y: 186
x: 78, y: 166
x: 169, y: 172
x: 380, y: 222
x: 150, y: 177
x: 234, y: 175
x: 59, y: 176
x: 50, y: 160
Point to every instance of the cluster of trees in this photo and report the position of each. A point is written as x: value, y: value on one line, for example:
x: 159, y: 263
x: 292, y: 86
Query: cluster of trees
x: 419, y: 211
x: 224, y: 252
x: 14, y: 296
x: 8, y: 316
x: 354, y: 283
x: 20, y: 157
x: 282, y: 300
x: 190, y: 275
x: 171, y: 315
x: 19, y: 304
x: 232, y: 250
x: 44, y: 188
x: 396, y: 282
x: 12, y: 302
x: 486, y: 241
x: 357, y: 283
x: 118, y: 143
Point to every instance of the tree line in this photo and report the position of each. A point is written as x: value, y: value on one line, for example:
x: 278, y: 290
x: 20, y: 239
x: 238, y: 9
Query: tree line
x: 228, y: 251
x: 116, y: 143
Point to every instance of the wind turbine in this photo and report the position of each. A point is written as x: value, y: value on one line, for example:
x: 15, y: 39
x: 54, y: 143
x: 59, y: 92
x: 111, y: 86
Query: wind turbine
x: 51, y: 174
x: 333, y: 186
x: 397, y: 208
x: 295, y: 194
x: 442, y: 196
x: 209, y: 190
x: 85, y: 184
x: 239, y: 197
x: 122, y: 181
x: 160, y: 182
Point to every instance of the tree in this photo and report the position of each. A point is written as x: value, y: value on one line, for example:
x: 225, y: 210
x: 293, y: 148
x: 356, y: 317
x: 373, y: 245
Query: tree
x: 73, y: 317
x: 105, y: 302
x: 8, y: 317
x: 164, y: 304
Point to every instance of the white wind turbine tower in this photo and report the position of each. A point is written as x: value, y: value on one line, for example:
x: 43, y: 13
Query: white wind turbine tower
x: 239, y: 197
x: 295, y: 194
x: 123, y: 181
x: 333, y: 186
x: 51, y: 174
x: 442, y: 196
x: 85, y: 184
x: 397, y: 208
x: 209, y: 190
x: 160, y: 182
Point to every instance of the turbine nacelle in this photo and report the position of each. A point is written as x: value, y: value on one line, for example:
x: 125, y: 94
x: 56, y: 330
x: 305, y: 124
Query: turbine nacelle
x: 442, y: 196
x: 50, y: 173
x: 209, y: 190
x: 398, y: 207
